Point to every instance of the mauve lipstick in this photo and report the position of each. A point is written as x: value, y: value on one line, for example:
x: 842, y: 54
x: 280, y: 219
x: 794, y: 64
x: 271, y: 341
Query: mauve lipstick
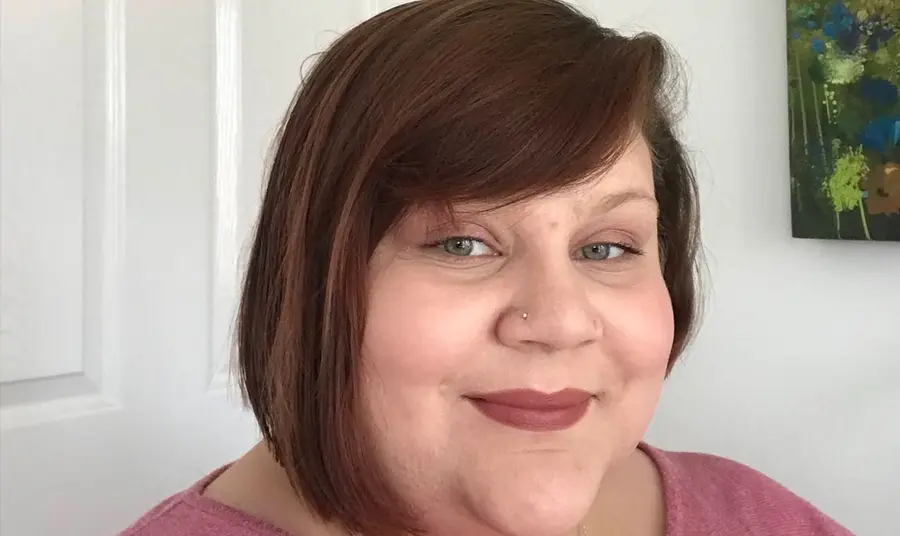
x: 531, y: 410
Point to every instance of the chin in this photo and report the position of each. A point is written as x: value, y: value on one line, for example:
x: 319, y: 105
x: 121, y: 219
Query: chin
x: 548, y: 506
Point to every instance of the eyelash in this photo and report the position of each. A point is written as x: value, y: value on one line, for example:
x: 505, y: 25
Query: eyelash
x: 628, y: 249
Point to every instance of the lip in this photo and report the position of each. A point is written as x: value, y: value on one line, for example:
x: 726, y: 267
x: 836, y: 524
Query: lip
x: 532, y: 410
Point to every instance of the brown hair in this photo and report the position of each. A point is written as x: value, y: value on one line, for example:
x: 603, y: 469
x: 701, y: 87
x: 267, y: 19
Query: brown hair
x: 437, y: 101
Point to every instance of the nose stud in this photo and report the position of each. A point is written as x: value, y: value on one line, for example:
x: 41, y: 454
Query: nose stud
x: 524, y: 316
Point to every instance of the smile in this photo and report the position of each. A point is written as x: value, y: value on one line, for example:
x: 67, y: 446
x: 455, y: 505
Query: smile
x: 533, y: 410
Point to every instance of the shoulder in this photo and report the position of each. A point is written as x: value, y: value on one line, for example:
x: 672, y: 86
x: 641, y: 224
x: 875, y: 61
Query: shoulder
x: 163, y: 518
x: 189, y: 513
x: 707, y: 494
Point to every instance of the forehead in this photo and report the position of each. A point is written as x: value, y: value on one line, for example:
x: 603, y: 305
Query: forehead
x: 629, y: 179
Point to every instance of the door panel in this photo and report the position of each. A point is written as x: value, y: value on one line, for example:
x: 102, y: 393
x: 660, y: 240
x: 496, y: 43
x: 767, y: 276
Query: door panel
x: 133, y: 139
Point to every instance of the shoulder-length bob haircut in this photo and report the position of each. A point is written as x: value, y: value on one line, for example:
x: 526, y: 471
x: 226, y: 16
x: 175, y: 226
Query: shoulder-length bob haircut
x: 432, y: 102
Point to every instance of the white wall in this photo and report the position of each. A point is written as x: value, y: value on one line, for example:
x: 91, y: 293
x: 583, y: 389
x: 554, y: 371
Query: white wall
x: 797, y: 368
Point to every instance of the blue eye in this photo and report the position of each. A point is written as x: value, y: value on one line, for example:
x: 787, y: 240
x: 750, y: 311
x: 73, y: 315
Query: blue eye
x: 605, y: 251
x: 464, y: 246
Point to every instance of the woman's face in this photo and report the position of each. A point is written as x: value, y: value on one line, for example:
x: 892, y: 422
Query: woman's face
x: 472, y: 328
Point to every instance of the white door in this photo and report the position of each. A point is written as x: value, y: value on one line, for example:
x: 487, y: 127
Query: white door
x: 133, y: 138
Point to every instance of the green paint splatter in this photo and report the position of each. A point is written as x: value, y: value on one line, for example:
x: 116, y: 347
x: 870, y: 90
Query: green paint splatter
x: 842, y: 69
x: 842, y: 187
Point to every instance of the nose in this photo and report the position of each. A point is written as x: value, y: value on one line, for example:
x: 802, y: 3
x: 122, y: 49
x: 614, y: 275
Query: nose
x: 552, y: 312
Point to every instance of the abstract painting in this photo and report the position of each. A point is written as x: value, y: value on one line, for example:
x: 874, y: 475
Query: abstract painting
x: 843, y: 59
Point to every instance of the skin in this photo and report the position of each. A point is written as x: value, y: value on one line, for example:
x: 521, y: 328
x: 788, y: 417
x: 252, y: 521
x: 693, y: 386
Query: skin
x: 445, y: 321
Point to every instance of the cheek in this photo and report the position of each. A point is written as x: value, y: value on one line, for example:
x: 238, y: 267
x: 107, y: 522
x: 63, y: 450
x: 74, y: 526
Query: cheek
x: 640, y: 330
x: 638, y: 337
x: 420, y: 339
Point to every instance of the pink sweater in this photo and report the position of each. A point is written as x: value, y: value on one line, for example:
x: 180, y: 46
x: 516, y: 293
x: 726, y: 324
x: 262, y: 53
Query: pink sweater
x: 705, y: 496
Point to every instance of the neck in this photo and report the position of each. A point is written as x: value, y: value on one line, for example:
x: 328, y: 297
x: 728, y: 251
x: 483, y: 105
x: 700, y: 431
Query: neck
x: 629, y: 501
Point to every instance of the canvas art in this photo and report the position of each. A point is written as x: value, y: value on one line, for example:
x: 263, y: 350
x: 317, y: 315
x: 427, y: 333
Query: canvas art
x: 844, y: 73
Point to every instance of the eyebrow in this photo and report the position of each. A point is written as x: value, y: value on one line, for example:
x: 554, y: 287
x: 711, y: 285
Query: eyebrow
x: 612, y: 201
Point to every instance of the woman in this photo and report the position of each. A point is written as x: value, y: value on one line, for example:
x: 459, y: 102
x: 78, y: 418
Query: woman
x: 473, y: 269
